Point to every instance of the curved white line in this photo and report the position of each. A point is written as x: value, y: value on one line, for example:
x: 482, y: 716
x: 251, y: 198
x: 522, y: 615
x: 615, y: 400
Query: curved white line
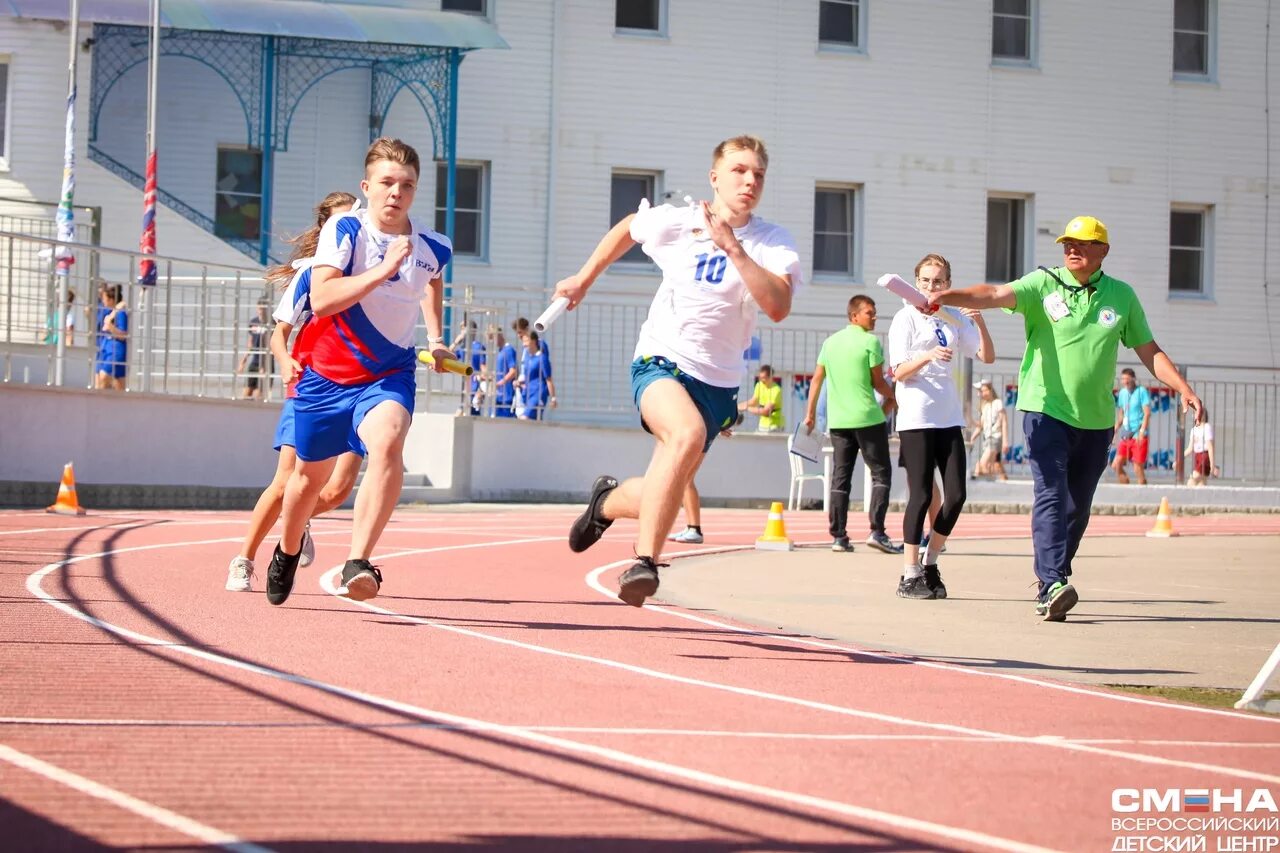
x: 150, y: 811
x: 593, y: 580
x: 709, y: 780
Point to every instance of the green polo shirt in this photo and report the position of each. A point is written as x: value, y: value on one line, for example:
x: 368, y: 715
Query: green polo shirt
x: 766, y: 395
x: 1073, y: 339
x: 847, y: 358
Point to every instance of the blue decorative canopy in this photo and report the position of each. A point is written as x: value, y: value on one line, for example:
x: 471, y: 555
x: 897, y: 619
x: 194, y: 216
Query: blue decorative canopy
x: 401, y: 22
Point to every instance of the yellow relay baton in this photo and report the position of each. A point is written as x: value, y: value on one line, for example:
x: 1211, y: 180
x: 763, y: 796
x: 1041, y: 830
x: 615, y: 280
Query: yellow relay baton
x: 451, y: 365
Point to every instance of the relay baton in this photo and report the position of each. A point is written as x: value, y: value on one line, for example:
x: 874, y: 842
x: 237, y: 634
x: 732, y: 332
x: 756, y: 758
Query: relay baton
x: 898, y: 286
x: 451, y: 365
x: 557, y: 307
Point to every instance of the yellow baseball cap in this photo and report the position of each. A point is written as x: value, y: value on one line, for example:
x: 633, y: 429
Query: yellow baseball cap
x: 1085, y: 229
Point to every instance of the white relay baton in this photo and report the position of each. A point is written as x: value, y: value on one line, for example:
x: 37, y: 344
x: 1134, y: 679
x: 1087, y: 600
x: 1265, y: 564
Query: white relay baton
x: 899, y: 286
x: 557, y: 307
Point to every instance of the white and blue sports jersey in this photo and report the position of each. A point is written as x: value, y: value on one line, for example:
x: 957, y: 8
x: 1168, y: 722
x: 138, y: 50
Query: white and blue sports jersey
x: 294, y: 306
x: 375, y: 336
x: 703, y: 315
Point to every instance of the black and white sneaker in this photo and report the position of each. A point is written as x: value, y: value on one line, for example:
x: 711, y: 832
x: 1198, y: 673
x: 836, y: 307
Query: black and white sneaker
x: 916, y: 588
x: 883, y: 543
x: 280, y: 576
x: 361, y: 580
x: 591, y: 525
x: 841, y: 545
x: 933, y: 579
x: 639, y: 582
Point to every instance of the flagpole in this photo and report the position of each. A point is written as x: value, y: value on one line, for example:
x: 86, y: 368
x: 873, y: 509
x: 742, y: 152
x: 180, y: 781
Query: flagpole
x: 147, y: 245
x: 66, y: 213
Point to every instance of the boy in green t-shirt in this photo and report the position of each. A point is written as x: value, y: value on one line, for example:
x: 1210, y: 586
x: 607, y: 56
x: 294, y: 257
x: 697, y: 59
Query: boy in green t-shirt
x: 1075, y: 317
x: 851, y: 362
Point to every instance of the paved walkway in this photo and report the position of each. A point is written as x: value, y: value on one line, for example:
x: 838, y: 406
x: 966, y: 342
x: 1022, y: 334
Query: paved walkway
x: 1191, y: 611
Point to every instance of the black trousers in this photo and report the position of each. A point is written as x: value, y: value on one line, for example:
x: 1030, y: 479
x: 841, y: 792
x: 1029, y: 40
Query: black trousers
x: 873, y: 441
x: 923, y: 452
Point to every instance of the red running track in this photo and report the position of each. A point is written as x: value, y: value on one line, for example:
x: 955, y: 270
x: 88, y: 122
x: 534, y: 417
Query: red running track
x: 495, y: 697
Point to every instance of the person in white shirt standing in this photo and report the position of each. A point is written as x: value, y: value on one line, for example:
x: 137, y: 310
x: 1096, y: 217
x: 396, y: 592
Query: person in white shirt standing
x: 922, y: 353
x: 1204, y: 463
x: 720, y: 265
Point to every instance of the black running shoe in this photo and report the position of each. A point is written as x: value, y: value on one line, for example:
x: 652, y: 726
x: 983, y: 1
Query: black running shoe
x: 280, y: 576
x: 591, y: 525
x: 639, y: 582
x: 361, y: 580
x: 916, y: 588
x: 933, y: 579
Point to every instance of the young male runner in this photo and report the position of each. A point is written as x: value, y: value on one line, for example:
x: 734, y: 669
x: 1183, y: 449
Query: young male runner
x: 720, y: 264
x: 374, y: 270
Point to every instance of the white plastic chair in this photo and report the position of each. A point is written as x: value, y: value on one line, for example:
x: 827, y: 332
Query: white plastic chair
x: 798, y: 478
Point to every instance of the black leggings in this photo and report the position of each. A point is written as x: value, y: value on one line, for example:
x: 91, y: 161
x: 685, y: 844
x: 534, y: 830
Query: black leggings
x: 923, y: 451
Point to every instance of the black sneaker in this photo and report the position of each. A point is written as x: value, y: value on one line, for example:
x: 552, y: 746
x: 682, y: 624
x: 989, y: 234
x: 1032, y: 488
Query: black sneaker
x: 916, y: 588
x: 639, y: 582
x: 591, y: 525
x: 841, y: 544
x: 280, y: 576
x: 933, y: 579
x: 361, y: 580
x: 883, y: 543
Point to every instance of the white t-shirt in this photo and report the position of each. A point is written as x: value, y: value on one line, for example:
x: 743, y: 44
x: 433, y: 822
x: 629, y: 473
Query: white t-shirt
x: 703, y: 314
x: 990, y: 414
x: 1201, y: 435
x: 928, y: 399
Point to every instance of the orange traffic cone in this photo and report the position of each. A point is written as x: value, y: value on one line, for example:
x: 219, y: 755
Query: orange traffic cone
x: 67, y: 504
x: 1164, y: 522
x: 775, y: 531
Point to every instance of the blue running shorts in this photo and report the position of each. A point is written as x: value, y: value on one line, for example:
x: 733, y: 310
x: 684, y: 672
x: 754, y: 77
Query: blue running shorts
x: 719, y: 406
x: 328, y: 414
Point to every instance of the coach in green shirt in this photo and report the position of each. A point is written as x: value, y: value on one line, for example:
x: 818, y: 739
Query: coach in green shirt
x: 1075, y: 317
x: 852, y: 361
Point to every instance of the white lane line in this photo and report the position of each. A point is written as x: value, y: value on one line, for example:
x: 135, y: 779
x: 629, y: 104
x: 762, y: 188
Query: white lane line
x: 150, y: 811
x: 661, y: 768
x: 88, y: 722
x: 593, y: 581
x: 327, y: 582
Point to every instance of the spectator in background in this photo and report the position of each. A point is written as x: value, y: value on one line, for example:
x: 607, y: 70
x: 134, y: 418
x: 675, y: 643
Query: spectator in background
x: 69, y: 322
x: 1204, y: 462
x: 993, y: 430
x: 1133, y: 416
x: 535, y: 374
x: 504, y: 376
x: 254, y: 361
x: 112, y: 328
x: 766, y: 401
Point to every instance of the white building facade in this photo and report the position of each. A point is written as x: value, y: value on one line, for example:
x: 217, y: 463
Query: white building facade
x: 895, y: 128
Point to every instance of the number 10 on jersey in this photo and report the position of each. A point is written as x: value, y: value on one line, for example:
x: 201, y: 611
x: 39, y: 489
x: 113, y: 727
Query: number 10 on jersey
x: 712, y: 266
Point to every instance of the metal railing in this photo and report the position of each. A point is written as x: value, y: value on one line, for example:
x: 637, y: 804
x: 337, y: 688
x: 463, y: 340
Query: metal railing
x: 188, y: 334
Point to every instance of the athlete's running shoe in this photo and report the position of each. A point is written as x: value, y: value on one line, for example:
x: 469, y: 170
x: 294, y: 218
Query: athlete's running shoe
x: 1057, y: 600
x: 361, y: 580
x: 239, y: 574
x: 591, y: 525
x: 280, y: 576
x: 639, y: 582
x: 307, y: 555
x: 883, y: 543
x: 842, y: 545
x: 688, y: 536
x: 933, y: 579
x: 916, y: 588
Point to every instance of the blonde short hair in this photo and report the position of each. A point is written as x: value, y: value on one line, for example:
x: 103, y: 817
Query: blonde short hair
x: 745, y: 142
x: 386, y: 148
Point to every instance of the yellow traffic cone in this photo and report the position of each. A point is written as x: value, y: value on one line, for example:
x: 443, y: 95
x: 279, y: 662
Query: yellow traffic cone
x: 775, y: 531
x: 66, y: 503
x: 1164, y: 522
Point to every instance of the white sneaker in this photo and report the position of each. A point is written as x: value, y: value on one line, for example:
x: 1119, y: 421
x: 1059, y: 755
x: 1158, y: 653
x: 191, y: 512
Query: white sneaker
x: 689, y: 536
x: 307, y: 555
x: 239, y: 574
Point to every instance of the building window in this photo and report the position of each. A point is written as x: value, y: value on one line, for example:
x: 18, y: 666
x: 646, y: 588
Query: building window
x: 1006, y: 238
x: 238, y: 195
x: 1188, y: 250
x: 4, y: 113
x: 469, y: 227
x: 841, y: 23
x: 640, y: 16
x: 834, y: 231
x: 626, y: 189
x: 1013, y: 31
x: 470, y: 7
x: 1193, y: 37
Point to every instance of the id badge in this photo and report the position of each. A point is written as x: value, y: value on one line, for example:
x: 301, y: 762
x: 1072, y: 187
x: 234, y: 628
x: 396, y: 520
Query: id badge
x: 1055, y: 307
